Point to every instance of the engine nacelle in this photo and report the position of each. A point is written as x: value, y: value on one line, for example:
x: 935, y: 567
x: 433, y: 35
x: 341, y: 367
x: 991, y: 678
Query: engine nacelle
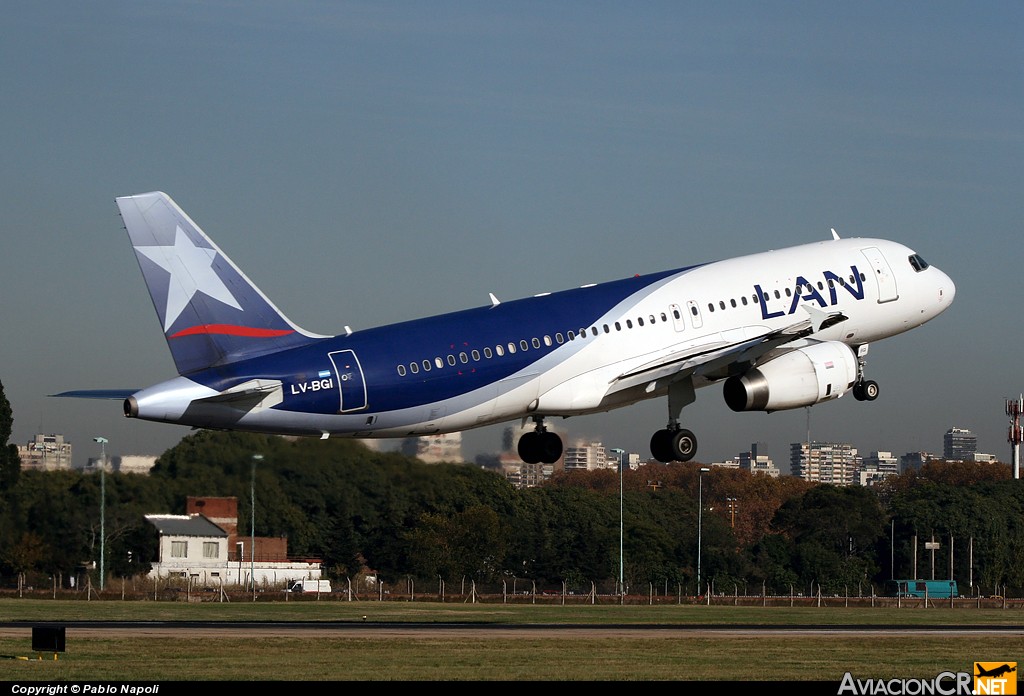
x: 801, y: 377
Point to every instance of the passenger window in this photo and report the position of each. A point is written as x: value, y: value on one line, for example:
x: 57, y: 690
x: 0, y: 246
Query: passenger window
x: 487, y: 353
x: 721, y: 303
x: 439, y: 362
x: 593, y: 330
x: 629, y: 323
x: 711, y: 306
x: 511, y: 347
x: 414, y: 368
x: 536, y: 342
x: 401, y: 370
x: 524, y: 345
x: 451, y: 359
x: 499, y: 350
x: 476, y: 355
x: 618, y: 326
x: 426, y: 366
x: 743, y: 299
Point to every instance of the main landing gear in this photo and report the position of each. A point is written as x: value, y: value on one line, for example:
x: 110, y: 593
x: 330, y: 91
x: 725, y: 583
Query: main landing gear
x: 540, y: 446
x: 864, y: 389
x: 675, y: 443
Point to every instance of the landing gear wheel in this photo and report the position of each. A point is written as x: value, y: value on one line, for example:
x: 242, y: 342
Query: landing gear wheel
x: 530, y: 447
x: 684, y: 445
x: 870, y: 390
x: 661, y: 446
x: 550, y: 447
x: 540, y: 447
x: 866, y: 390
x: 676, y: 445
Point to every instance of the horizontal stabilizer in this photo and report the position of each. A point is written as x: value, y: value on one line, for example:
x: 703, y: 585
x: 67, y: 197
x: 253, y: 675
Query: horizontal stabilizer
x: 98, y: 393
x: 249, y: 396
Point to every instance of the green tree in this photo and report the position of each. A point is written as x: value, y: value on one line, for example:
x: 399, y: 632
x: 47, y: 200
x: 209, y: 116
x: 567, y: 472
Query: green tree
x: 835, y: 532
x: 10, y: 462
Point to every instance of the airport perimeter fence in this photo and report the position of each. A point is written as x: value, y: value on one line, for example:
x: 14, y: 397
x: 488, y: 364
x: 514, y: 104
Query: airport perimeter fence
x: 514, y: 591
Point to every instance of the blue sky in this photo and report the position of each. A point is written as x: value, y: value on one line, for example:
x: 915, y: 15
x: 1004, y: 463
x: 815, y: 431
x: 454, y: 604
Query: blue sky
x: 373, y: 162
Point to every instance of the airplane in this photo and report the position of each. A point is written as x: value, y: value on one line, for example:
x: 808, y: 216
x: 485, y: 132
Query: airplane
x: 994, y: 672
x: 778, y: 330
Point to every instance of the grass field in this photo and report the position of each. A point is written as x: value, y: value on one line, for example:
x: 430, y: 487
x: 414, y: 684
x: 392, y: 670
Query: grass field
x: 564, y: 654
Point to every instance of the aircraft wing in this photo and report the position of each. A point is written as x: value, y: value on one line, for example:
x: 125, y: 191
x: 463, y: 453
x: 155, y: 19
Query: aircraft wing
x: 733, y: 347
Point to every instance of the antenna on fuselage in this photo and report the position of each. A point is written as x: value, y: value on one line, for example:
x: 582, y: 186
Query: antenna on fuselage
x: 835, y: 235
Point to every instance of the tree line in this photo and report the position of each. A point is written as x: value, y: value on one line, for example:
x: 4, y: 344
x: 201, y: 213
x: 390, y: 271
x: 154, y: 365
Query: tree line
x: 357, y: 509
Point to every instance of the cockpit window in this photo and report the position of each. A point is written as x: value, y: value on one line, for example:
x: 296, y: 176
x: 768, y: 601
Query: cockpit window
x: 918, y: 263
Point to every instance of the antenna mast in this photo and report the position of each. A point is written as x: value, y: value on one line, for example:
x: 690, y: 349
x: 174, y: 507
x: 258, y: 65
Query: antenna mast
x: 1014, y: 408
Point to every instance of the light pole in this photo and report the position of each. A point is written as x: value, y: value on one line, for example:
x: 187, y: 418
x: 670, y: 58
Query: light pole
x: 619, y: 453
x: 103, y: 503
x: 700, y: 517
x: 252, y: 524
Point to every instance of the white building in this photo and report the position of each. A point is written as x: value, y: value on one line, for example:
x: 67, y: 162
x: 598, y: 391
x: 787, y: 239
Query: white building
x: 825, y: 462
x: 124, y: 464
x: 876, y: 466
x: 433, y: 449
x: 193, y: 547
x: 49, y: 452
x: 588, y: 456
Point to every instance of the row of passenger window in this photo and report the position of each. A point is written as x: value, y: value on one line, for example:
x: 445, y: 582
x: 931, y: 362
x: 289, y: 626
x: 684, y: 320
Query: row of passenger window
x: 778, y: 295
x: 511, y: 347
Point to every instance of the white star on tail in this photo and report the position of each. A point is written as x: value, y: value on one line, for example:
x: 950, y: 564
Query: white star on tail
x: 191, y: 270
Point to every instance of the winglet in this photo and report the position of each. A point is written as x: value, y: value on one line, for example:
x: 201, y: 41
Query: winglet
x: 820, y: 320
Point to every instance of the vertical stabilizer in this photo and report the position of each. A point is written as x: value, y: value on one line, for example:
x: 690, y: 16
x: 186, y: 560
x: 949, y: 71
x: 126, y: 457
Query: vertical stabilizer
x: 210, y: 312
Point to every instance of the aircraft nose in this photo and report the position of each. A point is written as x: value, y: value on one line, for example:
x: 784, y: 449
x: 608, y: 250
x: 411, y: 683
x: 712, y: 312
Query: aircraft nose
x: 950, y: 288
x: 947, y: 289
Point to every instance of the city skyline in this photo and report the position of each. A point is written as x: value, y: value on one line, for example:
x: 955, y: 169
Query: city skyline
x: 369, y: 164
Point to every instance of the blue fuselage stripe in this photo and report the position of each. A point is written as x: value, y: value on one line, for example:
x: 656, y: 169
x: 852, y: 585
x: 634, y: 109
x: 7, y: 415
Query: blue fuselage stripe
x: 381, y: 350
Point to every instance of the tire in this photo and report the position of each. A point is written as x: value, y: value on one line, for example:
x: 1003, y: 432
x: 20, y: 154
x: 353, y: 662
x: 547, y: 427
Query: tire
x: 661, y: 446
x: 550, y: 447
x: 870, y: 390
x: 684, y: 445
x: 530, y: 448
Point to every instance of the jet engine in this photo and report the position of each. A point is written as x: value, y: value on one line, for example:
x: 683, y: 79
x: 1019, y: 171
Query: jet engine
x: 801, y: 377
